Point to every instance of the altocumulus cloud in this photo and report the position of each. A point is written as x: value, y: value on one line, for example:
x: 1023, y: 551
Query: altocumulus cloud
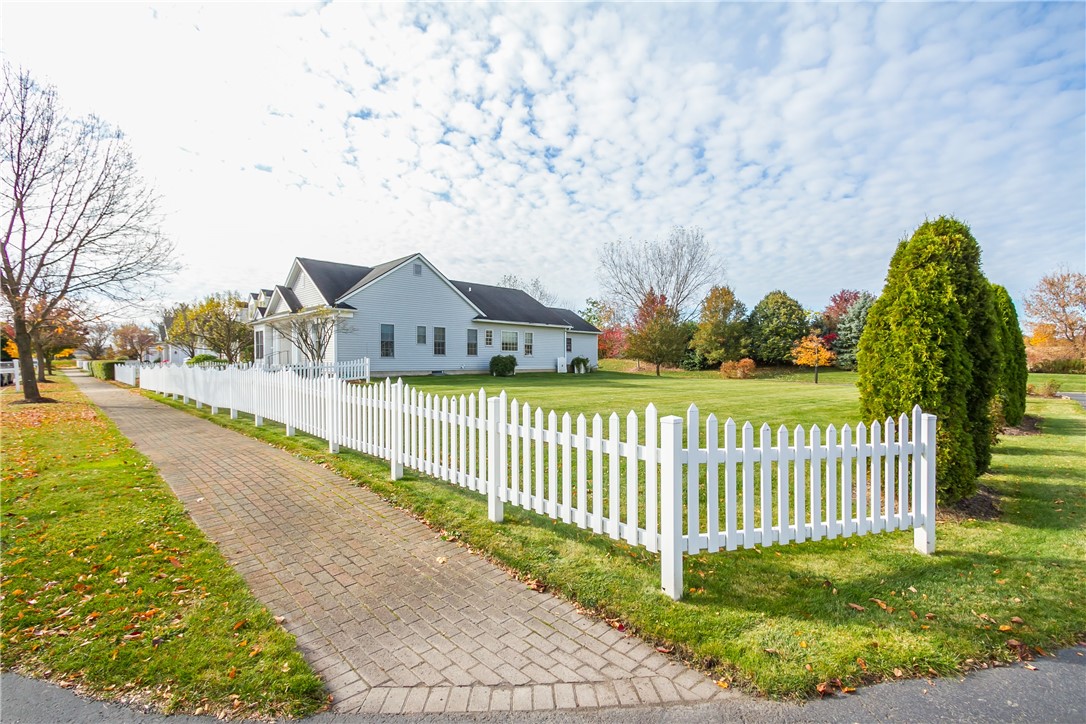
x: 805, y: 139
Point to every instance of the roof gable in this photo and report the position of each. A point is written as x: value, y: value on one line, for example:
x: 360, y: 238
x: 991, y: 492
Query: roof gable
x: 331, y: 278
x: 509, y: 305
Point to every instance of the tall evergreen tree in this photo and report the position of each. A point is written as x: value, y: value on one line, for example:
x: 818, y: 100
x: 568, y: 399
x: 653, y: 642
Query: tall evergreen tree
x: 1013, y: 373
x: 849, y: 330
x: 930, y: 339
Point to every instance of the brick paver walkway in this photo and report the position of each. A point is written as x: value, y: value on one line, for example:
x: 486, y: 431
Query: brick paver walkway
x: 394, y: 618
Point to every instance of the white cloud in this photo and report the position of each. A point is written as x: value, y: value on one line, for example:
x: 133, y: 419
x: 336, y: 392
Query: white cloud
x: 806, y: 139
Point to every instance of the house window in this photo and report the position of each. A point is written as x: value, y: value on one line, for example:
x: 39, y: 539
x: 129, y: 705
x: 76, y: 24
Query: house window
x: 473, y: 342
x: 569, y: 344
x: 258, y: 345
x: 388, y: 340
x: 529, y: 338
x: 488, y: 338
x: 420, y: 334
x: 439, y: 340
x: 418, y: 270
x: 509, y: 341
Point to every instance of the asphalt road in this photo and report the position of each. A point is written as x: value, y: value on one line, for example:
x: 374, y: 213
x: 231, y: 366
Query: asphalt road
x: 1054, y: 692
x: 1078, y: 397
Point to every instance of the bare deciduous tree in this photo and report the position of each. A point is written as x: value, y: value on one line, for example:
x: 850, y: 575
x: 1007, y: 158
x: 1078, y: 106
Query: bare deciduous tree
x: 96, y: 343
x: 80, y: 221
x: 534, y: 288
x: 679, y: 267
x: 134, y: 341
x: 310, y: 330
x: 1059, y: 299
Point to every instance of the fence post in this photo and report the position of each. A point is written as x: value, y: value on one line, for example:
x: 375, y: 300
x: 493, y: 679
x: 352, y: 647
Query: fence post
x: 671, y: 507
x: 494, y: 475
x: 330, y: 401
x: 396, y: 410
x: 924, y: 534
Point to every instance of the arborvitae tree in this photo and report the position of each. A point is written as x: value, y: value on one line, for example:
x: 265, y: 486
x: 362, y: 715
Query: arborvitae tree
x: 849, y: 330
x: 1012, y: 382
x: 776, y: 323
x: 912, y: 352
x: 940, y: 262
x: 974, y: 294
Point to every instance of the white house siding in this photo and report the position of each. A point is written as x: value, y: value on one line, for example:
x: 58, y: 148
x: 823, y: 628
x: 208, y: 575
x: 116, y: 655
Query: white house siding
x: 584, y: 345
x: 406, y: 301
x: 548, y: 345
x: 306, y: 291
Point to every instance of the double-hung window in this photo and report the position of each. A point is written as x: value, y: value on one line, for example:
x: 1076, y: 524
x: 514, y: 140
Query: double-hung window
x: 569, y: 344
x: 488, y: 338
x: 258, y: 345
x: 420, y: 334
x: 439, y: 340
x: 529, y: 340
x: 388, y: 340
x: 510, y: 341
x: 473, y: 342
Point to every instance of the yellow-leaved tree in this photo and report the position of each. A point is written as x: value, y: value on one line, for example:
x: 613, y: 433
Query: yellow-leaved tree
x: 813, y: 351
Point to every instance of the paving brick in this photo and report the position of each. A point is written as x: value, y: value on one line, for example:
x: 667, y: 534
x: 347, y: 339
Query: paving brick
x: 389, y: 629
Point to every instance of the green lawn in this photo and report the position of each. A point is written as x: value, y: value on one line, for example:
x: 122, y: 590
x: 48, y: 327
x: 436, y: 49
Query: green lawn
x: 109, y: 585
x: 783, y: 619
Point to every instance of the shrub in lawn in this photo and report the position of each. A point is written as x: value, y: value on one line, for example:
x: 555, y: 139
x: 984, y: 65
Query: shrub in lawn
x: 930, y: 341
x: 740, y: 370
x: 581, y: 363
x: 1012, y: 379
x: 1061, y: 366
x: 503, y: 365
x: 775, y: 324
x: 203, y: 358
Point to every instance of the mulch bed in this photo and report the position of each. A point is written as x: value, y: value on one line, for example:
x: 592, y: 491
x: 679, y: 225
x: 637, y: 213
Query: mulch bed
x: 1029, y: 426
x: 982, y: 505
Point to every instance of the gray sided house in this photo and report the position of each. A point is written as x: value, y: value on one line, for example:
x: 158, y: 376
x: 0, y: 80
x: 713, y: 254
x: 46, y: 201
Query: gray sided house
x: 408, y: 318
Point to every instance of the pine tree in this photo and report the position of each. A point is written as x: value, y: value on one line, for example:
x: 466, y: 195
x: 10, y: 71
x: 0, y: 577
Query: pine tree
x: 849, y: 330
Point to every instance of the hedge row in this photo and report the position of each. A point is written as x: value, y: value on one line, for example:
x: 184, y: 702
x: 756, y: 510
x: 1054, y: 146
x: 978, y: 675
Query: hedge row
x: 103, y: 368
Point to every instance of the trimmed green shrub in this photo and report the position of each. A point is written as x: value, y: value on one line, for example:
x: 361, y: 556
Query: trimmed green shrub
x: 582, y: 362
x: 202, y: 358
x: 930, y: 341
x: 103, y: 368
x: 503, y: 365
x: 775, y: 324
x: 1061, y: 366
x: 1013, y: 373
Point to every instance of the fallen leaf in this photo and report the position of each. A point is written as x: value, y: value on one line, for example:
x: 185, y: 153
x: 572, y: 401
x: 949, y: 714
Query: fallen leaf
x: 1017, y: 621
x: 899, y: 673
x: 773, y: 652
x: 1031, y: 667
x: 857, y: 607
x: 280, y: 619
x: 240, y: 623
x: 862, y: 663
x: 1006, y: 627
x: 929, y: 616
x: 441, y: 560
x: 723, y: 684
x: 808, y: 667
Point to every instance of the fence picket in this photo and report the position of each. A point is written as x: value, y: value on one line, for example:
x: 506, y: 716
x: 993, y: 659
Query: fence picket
x: 845, y: 482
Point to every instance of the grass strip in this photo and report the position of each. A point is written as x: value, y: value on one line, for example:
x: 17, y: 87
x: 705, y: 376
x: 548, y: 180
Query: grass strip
x: 108, y: 586
x: 783, y: 620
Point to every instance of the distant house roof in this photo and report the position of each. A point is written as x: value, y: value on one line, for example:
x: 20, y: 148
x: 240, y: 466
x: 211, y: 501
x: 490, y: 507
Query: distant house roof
x: 574, y: 320
x: 335, y: 281
x: 289, y: 297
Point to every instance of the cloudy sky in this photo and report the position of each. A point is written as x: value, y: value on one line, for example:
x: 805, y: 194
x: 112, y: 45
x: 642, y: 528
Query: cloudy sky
x: 517, y: 138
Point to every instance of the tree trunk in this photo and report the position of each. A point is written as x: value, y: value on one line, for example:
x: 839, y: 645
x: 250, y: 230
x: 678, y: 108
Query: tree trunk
x: 816, y: 370
x: 26, y: 360
x: 657, y: 369
x: 41, y: 364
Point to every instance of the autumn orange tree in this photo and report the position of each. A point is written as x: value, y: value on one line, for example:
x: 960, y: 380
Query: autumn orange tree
x: 813, y: 351
x: 657, y: 336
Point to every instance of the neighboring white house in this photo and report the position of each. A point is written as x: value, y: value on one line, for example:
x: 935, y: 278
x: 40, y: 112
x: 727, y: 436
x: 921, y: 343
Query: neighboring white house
x: 408, y: 318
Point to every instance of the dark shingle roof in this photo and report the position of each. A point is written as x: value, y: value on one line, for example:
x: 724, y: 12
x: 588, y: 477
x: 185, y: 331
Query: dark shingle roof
x: 332, y: 278
x: 574, y: 320
x: 289, y: 297
x: 374, y: 273
x: 508, y: 305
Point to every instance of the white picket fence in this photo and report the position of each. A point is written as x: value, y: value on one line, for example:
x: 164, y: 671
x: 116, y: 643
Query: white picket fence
x: 128, y: 373
x: 350, y: 370
x: 722, y: 488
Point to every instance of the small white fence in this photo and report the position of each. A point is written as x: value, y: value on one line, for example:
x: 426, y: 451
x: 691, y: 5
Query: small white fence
x: 10, y: 374
x: 723, y: 488
x: 128, y: 373
x: 352, y: 370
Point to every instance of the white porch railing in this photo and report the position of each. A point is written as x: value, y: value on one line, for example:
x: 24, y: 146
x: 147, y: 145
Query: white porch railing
x: 724, y: 488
